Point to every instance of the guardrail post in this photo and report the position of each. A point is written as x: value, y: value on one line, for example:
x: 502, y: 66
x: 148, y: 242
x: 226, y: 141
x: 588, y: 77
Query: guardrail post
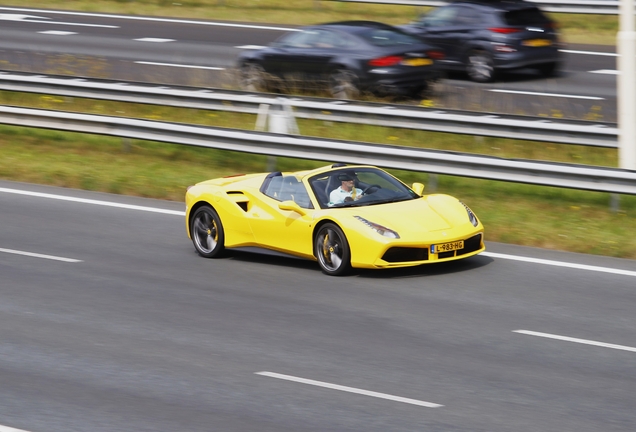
x: 280, y: 120
x: 615, y: 202
x: 432, y: 183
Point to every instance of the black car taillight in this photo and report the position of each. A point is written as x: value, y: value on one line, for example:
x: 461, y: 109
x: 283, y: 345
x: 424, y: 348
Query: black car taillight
x: 504, y: 30
x: 385, y: 61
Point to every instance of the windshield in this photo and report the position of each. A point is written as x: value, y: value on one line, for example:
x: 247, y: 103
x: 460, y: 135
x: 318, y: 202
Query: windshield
x: 386, y: 37
x: 358, y: 187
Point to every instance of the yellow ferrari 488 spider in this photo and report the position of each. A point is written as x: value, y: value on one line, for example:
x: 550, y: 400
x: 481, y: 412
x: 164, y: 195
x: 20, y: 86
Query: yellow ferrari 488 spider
x: 342, y: 216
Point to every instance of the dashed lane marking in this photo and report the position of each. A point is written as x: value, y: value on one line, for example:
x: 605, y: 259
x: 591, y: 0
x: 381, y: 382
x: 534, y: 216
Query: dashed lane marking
x: 576, y: 340
x: 350, y: 389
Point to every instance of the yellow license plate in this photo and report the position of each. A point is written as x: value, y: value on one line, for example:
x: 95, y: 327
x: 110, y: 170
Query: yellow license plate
x: 537, y: 42
x: 417, y: 62
x: 447, y: 247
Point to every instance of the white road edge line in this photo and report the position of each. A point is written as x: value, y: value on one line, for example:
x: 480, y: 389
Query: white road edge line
x: 37, y: 255
x: 546, y: 94
x: 94, y: 202
x: 560, y: 264
x: 182, y: 213
x: 349, y: 389
x: 179, y: 65
x: 10, y: 429
x: 576, y: 340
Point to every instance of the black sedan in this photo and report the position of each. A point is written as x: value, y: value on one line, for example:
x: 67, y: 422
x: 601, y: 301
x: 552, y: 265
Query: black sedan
x: 345, y: 58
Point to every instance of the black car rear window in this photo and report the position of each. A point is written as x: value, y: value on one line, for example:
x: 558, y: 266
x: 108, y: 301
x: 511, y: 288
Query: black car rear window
x: 522, y: 17
x: 384, y: 37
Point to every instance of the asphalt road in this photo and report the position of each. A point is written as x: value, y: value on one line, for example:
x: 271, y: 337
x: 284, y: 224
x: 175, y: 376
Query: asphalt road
x: 111, y: 322
x: 203, y: 53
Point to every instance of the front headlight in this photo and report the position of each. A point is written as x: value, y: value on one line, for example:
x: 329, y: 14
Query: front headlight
x: 382, y: 230
x: 471, y: 215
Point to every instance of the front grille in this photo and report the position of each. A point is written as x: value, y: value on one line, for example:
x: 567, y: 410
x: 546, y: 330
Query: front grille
x: 470, y: 245
x: 405, y: 254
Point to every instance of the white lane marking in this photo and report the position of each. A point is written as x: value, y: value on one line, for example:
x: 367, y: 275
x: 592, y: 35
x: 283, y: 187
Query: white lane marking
x: 182, y: 213
x: 57, y: 33
x: 37, y: 255
x: 10, y: 429
x: 18, y: 17
x: 250, y: 47
x: 94, y: 202
x: 590, y: 53
x: 157, y: 40
x: 605, y: 71
x: 350, y: 389
x: 546, y: 94
x: 45, y: 20
x: 180, y: 65
x: 576, y: 340
x: 138, y: 18
x: 561, y: 264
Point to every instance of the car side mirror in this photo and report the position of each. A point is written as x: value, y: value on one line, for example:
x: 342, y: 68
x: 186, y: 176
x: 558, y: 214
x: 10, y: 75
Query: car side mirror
x: 290, y: 205
x: 418, y: 188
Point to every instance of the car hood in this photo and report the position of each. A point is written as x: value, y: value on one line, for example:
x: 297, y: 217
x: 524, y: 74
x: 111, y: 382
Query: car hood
x: 427, y: 214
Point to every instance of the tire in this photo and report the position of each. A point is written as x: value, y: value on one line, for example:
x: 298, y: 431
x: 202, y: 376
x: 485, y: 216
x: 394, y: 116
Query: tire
x: 343, y: 84
x: 207, y: 233
x: 332, y: 250
x: 253, y: 77
x: 549, y: 69
x: 480, y: 66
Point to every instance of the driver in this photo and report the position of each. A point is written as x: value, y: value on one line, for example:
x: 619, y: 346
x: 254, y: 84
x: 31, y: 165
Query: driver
x: 347, y: 190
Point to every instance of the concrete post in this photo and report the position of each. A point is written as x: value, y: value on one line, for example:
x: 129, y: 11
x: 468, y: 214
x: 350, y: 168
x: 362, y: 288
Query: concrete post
x: 626, y: 86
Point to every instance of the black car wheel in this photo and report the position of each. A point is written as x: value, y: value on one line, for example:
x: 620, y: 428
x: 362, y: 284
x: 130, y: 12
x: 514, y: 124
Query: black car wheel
x: 343, y: 84
x: 332, y: 250
x: 480, y: 66
x: 253, y: 77
x: 549, y: 69
x: 206, y: 231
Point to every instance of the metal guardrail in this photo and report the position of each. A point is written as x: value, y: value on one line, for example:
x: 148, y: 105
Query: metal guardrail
x: 398, y: 116
x: 600, y: 7
x: 405, y: 158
